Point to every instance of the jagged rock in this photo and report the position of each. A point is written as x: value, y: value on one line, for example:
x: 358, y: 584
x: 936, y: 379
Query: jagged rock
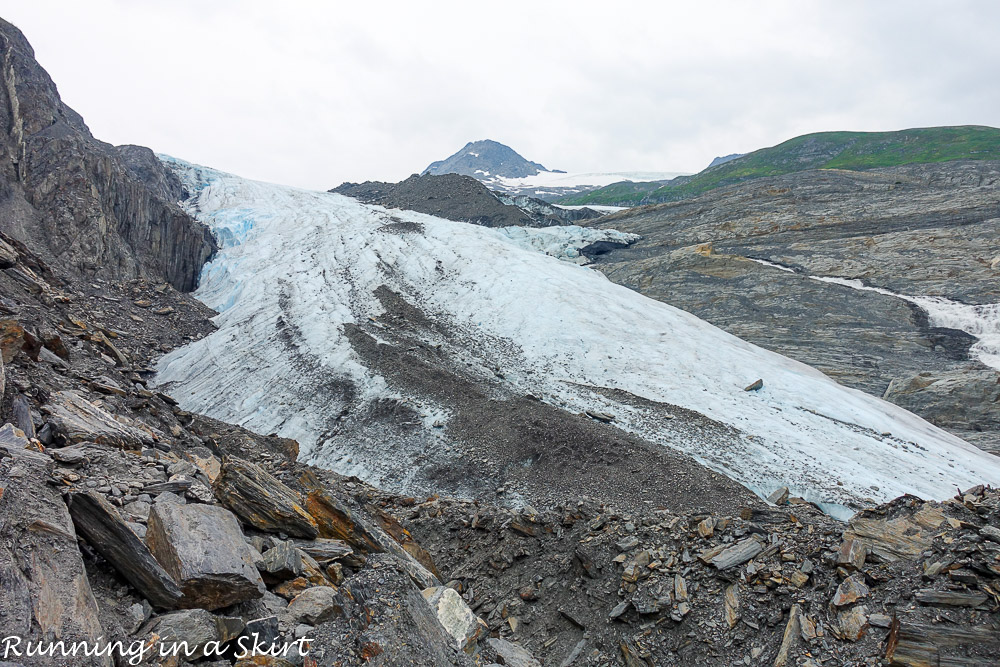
x: 455, y: 616
x: 11, y: 340
x: 852, y: 554
x: 511, y: 654
x: 201, y: 631
x: 791, y: 638
x: 325, y: 549
x: 100, y: 524
x: 21, y: 412
x: 905, y: 536
x: 206, y: 462
x: 261, y: 500
x: 334, y: 520
x: 75, y: 419
x: 779, y: 497
x: 202, y: 548
x: 757, y: 385
x: 853, y: 622
x: 315, y: 605
x: 991, y: 533
x: 8, y: 255
x: 737, y: 554
x: 850, y: 590
x: 44, y: 588
x: 282, y: 562
x: 264, y: 630
x: 732, y: 605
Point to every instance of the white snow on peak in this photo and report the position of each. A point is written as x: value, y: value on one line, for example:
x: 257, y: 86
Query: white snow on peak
x: 311, y: 262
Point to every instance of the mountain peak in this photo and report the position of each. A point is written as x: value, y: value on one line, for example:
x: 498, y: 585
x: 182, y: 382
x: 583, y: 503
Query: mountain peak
x: 485, y: 158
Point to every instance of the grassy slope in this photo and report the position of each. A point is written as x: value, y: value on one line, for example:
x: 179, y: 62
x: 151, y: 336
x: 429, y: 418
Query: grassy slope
x: 823, y: 150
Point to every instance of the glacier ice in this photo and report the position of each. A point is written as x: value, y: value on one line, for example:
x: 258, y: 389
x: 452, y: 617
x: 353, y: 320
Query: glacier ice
x: 298, y: 269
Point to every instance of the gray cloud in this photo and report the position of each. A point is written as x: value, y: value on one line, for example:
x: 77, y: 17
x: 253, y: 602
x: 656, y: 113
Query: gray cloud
x: 317, y: 93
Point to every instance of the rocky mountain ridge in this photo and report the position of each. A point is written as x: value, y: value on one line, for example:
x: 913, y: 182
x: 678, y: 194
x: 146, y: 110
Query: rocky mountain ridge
x: 485, y: 158
x: 462, y: 198
x: 855, y: 151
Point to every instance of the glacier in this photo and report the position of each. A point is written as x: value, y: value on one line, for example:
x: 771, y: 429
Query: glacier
x: 304, y: 277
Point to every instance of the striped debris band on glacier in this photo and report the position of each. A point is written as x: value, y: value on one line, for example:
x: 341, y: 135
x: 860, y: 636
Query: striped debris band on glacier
x: 304, y: 285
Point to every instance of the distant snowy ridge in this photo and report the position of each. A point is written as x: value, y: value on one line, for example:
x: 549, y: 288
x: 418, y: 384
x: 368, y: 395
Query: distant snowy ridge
x: 299, y: 269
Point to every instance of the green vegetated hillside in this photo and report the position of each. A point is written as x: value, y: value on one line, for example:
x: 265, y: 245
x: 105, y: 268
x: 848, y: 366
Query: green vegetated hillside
x: 823, y: 150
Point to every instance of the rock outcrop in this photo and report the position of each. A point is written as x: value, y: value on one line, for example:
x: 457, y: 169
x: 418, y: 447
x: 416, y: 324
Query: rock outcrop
x: 463, y: 198
x: 82, y: 205
x: 918, y: 230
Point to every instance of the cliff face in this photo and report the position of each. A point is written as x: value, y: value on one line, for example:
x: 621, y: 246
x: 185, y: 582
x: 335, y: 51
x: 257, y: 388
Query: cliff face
x: 86, y: 207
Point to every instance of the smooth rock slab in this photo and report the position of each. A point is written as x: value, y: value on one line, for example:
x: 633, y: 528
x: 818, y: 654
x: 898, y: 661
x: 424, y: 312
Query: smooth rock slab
x: 78, y: 420
x: 203, y: 548
x: 455, y: 616
x: 511, y: 654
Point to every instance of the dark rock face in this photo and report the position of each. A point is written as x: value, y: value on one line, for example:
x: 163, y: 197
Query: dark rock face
x: 79, y: 203
x: 479, y: 158
x: 919, y: 230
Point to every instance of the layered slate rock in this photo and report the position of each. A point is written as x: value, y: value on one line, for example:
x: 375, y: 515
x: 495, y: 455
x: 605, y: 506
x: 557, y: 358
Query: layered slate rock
x: 104, y: 529
x: 203, y: 549
x: 45, y: 589
x: 75, y: 419
x: 262, y: 500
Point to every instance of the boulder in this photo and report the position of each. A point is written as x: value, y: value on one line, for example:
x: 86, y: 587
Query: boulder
x: 315, y: 605
x: 75, y: 419
x: 456, y: 618
x: 325, y: 550
x: 105, y: 530
x: 281, y: 562
x: 203, y: 549
x: 262, y: 500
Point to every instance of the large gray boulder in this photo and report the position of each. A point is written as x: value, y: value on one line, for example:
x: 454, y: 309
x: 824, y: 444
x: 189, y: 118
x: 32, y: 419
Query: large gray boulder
x: 203, y: 549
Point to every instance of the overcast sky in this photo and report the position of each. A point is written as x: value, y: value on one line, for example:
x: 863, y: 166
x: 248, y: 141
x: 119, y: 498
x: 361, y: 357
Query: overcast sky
x: 316, y: 93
